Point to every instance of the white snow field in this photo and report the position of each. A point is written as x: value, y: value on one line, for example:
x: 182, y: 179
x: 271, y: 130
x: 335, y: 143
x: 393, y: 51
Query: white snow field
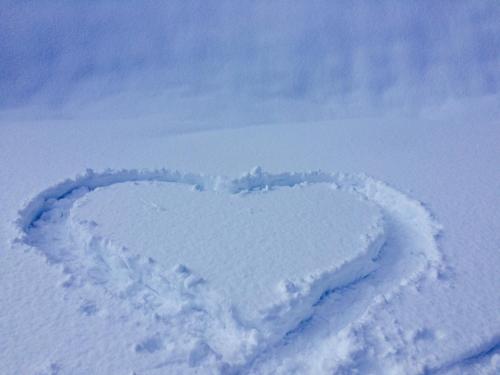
x: 249, y: 187
x: 146, y: 270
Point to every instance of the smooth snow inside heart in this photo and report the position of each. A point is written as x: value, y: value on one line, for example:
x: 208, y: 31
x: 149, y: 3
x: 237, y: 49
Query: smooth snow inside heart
x: 256, y: 249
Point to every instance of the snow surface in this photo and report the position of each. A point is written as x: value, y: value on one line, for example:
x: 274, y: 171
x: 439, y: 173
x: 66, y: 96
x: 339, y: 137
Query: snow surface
x: 220, y: 237
x: 430, y: 304
x: 104, y: 111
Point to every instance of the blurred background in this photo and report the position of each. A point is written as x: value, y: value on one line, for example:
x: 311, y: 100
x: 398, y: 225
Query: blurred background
x: 233, y: 63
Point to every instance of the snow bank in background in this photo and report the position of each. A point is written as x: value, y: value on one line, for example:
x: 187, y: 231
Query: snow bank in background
x: 247, y: 62
x: 185, y: 313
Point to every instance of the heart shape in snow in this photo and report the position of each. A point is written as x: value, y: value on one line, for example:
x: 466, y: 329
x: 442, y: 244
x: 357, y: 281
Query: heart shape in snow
x: 245, y: 259
x: 257, y: 249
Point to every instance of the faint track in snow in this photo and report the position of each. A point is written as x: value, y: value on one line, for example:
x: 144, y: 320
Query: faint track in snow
x: 410, y: 251
x: 467, y: 360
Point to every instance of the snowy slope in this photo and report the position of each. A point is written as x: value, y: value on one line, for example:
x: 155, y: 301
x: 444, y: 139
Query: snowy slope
x: 445, y: 319
x: 137, y: 235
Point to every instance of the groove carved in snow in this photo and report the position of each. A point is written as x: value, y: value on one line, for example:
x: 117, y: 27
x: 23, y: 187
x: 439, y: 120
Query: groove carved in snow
x: 177, y: 300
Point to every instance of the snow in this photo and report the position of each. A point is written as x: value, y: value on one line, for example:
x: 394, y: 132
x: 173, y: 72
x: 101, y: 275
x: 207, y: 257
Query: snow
x: 221, y: 239
x: 432, y: 296
x: 138, y: 237
x: 88, y: 226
